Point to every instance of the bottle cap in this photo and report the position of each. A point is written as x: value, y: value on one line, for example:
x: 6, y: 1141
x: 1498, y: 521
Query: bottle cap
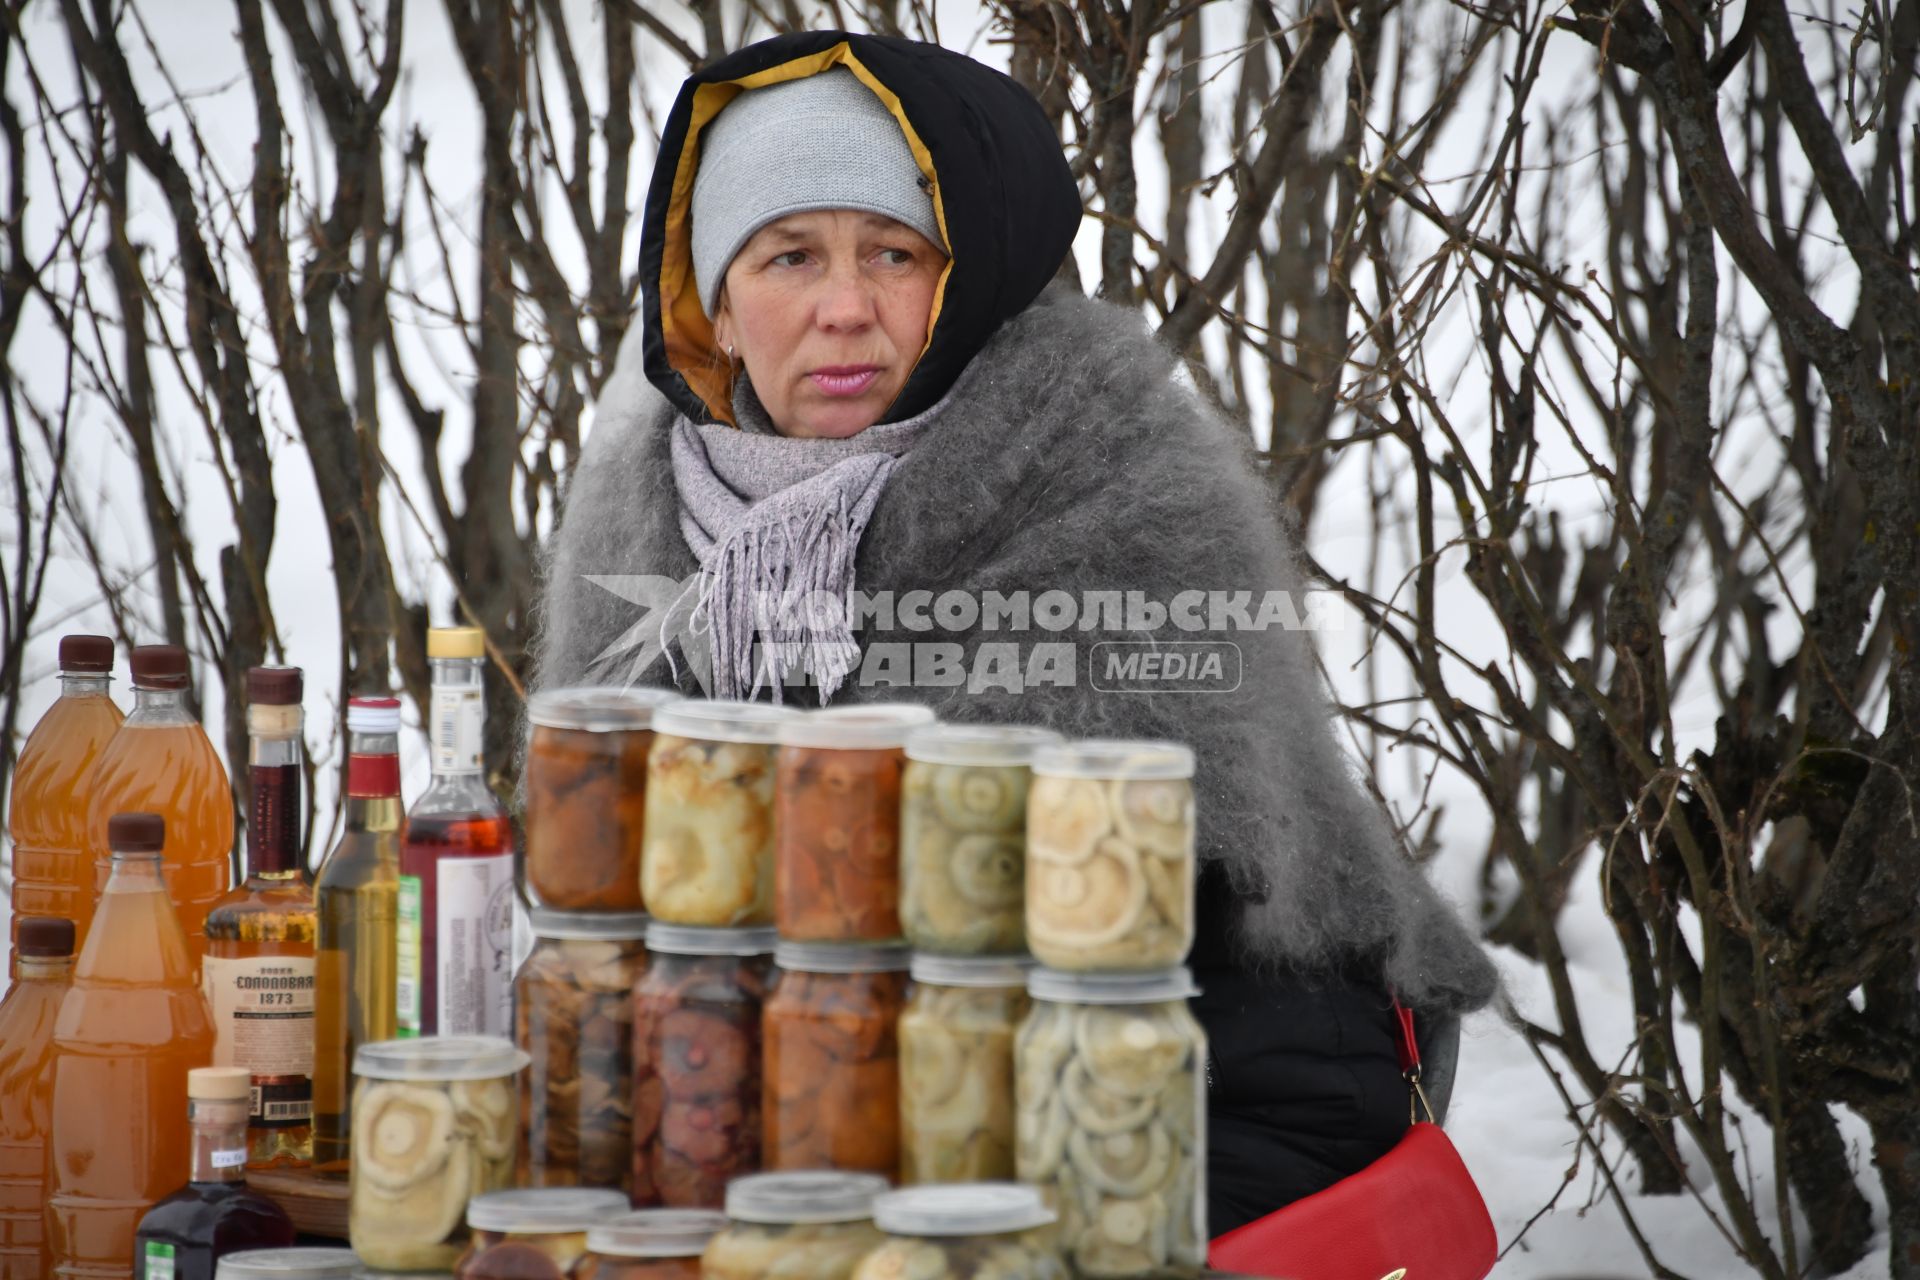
x: 86, y: 655
x: 978, y: 744
x: 656, y: 1233
x: 456, y: 642
x: 304, y: 1263
x: 219, y: 1084
x: 971, y: 971
x: 961, y: 1209
x: 719, y: 720
x: 136, y: 833
x: 704, y: 940
x: 274, y: 686
x: 803, y: 1196
x: 873, y: 726
x: 588, y: 926
x: 598, y: 710
x: 1063, y: 987
x: 1115, y: 758
x: 47, y: 937
x: 545, y: 1210
x: 159, y: 666
x: 842, y: 957
x: 440, y: 1058
x: 377, y: 716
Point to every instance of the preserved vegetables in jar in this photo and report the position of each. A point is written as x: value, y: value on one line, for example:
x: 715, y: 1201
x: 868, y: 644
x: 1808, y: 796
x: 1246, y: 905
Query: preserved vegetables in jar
x: 963, y: 837
x: 433, y: 1125
x: 956, y: 1068
x: 586, y: 778
x: 809, y: 1224
x: 573, y: 1014
x: 1110, y: 857
x: 963, y: 1231
x: 651, y: 1244
x: 710, y: 813
x: 837, y: 829
x: 832, y: 1097
x: 1110, y: 1073
x: 537, y: 1234
x: 697, y: 1059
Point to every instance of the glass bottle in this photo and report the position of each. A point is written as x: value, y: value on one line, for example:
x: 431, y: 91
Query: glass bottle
x: 130, y: 1028
x: 186, y: 1234
x: 456, y: 866
x: 47, y: 815
x: 161, y: 762
x: 258, y: 972
x: 45, y: 948
x: 357, y: 897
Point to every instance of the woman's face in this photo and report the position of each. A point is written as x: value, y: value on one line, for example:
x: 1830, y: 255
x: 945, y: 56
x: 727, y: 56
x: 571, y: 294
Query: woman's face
x: 828, y: 310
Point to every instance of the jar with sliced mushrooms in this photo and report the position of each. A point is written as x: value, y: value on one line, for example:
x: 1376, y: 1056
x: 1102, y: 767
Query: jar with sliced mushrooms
x: 534, y: 1234
x: 586, y: 781
x: 697, y: 1077
x: 832, y: 1097
x: 836, y: 862
x: 709, y: 842
x: 651, y: 1244
x: 1110, y: 856
x: 1110, y: 1076
x: 956, y: 1068
x: 433, y: 1127
x: 808, y: 1224
x: 963, y: 837
x: 573, y: 1014
x: 964, y: 1231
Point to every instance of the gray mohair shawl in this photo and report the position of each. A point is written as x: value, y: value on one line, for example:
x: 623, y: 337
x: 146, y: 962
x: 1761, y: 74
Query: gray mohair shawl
x: 1071, y: 459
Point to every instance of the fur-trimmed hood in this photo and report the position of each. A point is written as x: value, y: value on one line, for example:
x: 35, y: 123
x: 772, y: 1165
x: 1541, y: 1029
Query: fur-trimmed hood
x: 1072, y: 459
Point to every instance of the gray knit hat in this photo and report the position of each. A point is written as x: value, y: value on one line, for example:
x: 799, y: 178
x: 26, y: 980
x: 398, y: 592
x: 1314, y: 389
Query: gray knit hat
x: 825, y: 141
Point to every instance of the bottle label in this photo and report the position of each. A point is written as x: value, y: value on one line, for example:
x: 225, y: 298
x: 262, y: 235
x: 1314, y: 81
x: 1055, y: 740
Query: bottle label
x: 459, y: 713
x: 229, y: 1159
x: 158, y: 1261
x: 406, y: 989
x: 475, y: 940
x: 263, y: 1020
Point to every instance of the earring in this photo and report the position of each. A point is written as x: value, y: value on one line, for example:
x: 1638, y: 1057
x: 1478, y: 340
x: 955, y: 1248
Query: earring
x: 729, y: 351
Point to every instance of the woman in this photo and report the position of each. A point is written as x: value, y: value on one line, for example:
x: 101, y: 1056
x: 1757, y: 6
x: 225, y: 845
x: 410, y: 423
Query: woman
x: 852, y: 373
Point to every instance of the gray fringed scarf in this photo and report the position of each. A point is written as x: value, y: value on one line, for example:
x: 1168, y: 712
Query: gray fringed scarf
x: 775, y: 522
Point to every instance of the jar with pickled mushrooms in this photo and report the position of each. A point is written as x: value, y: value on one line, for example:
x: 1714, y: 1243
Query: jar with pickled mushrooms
x: 651, y: 1244
x: 287, y: 1264
x: 956, y: 1067
x: 696, y: 1052
x: 836, y: 860
x: 573, y: 1014
x: 807, y: 1224
x: 433, y: 1126
x: 1110, y: 1073
x: 963, y: 1231
x: 832, y: 1097
x: 710, y: 802
x: 1110, y: 855
x: 534, y: 1234
x: 586, y: 777
x: 963, y: 837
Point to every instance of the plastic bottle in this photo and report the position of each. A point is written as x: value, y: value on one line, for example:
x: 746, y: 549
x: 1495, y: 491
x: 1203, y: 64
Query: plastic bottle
x: 45, y: 948
x: 47, y: 818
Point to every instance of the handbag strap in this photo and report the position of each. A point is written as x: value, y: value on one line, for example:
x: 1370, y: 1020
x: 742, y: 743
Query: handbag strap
x: 1407, y: 1047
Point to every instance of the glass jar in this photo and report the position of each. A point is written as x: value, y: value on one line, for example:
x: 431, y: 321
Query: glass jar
x: 1110, y: 862
x: 586, y: 780
x: 287, y: 1264
x: 433, y: 1124
x: 710, y: 810
x: 963, y: 837
x: 809, y: 1224
x: 963, y: 1231
x: 836, y: 862
x: 1110, y: 1071
x: 956, y: 1068
x: 573, y: 1014
x: 832, y: 1097
x: 696, y: 1052
x: 534, y: 1234
x: 651, y: 1244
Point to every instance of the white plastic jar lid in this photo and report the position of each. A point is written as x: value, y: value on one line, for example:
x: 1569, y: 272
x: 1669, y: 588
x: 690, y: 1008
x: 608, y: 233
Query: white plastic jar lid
x: 554, y: 1210
x: 971, y: 971
x: 803, y: 1196
x: 961, y: 1209
x: 705, y: 940
x: 598, y: 708
x: 843, y: 957
x: 588, y: 926
x: 979, y: 744
x: 721, y: 721
x: 439, y: 1058
x: 872, y: 726
x: 288, y: 1264
x: 1157, y: 987
x: 1115, y: 758
x: 656, y: 1233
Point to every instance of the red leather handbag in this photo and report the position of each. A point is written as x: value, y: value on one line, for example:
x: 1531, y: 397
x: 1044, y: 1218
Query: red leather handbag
x: 1413, y: 1214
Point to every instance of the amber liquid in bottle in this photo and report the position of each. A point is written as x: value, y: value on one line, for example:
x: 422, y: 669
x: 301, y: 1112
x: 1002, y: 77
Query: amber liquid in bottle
x: 258, y: 974
x: 26, y: 1093
x: 357, y: 896
x: 185, y: 1235
x: 132, y: 1026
